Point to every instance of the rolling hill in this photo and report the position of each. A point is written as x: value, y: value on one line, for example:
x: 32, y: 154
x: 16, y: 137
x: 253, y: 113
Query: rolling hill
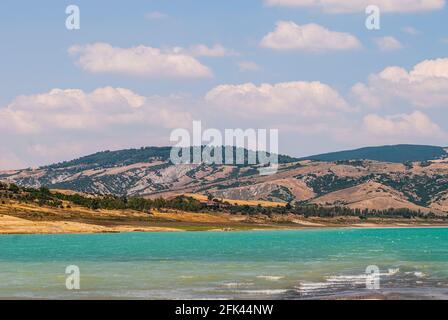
x: 403, y: 176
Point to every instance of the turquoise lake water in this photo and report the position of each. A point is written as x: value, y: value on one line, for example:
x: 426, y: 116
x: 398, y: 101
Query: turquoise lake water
x: 212, y: 265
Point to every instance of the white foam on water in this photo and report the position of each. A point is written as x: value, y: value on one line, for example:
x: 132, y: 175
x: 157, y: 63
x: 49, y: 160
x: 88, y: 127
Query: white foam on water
x: 237, y: 284
x: 338, y: 281
x: 271, y: 278
x: 419, y: 274
x: 392, y: 272
x: 311, y: 287
x: 349, y: 279
x: 264, y: 291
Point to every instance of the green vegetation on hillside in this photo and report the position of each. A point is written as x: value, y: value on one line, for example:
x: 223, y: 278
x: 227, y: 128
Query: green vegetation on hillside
x: 45, y: 197
x: 330, y: 182
x: 419, y: 189
x: 397, y: 153
x: 107, y: 159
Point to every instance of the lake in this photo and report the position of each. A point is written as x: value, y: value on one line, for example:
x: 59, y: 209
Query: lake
x: 308, y: 264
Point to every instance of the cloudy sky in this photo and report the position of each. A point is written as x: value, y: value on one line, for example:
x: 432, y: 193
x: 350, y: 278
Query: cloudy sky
x: 137, y: 70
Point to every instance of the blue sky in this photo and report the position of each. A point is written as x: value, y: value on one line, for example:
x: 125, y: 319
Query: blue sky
x: 35, y: 61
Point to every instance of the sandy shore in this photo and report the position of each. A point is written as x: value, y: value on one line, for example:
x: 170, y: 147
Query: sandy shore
x: 25, y: 218
x: 15, y: 225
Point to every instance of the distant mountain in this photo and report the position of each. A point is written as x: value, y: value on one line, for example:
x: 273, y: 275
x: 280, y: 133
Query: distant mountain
x: 116, y: 158
x: 396, y: 153
x: 107, y: 159
x: 133, y: 172
x: 402, y: 176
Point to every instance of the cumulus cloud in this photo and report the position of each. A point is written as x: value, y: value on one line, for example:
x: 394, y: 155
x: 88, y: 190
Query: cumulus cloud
x: 416, y: 124
x: 300, y: 99
x: 309, y: 37
x: 388, y: 44
x: 348, y: 6
x: 139, y: 61
x: 73, y: 109
x: 202, y: 50
x: 64, y: 123
x: 426, y: 85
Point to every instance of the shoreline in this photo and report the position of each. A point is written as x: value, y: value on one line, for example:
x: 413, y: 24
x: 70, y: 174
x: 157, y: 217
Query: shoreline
x: 76, y: 228
x: 23, y: 218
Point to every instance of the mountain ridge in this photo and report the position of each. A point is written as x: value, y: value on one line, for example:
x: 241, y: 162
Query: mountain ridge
x: 148, y: 172
x: 389, y: 153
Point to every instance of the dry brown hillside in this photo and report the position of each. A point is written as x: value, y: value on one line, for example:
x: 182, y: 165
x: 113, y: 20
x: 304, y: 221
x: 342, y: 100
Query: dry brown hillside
x: 354, y: 183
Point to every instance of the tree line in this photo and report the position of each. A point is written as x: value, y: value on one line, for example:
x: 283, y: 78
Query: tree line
x: 44, y: 197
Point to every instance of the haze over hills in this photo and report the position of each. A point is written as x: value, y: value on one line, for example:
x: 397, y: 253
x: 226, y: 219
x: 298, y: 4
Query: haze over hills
x: 402, y: 176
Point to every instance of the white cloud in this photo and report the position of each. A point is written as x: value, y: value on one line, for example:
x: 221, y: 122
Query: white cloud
x: 66, y: 123
x: 75, y: 110
x: 426, y: 85
x: 140, y: 61
x: 416, y: 124
x: 388, y: 44
x: 348, y: 6
x: 202, y: 50
x: 310, y: 37
x: 62, y: 124
x: 287, y: 99
x: 248, y: 66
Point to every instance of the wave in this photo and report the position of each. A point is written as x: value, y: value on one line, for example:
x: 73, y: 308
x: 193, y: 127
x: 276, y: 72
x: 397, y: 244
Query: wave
x: 264, y: 291
x: 338, y: 282
x: 271, y: 278
x: 237, y: 284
